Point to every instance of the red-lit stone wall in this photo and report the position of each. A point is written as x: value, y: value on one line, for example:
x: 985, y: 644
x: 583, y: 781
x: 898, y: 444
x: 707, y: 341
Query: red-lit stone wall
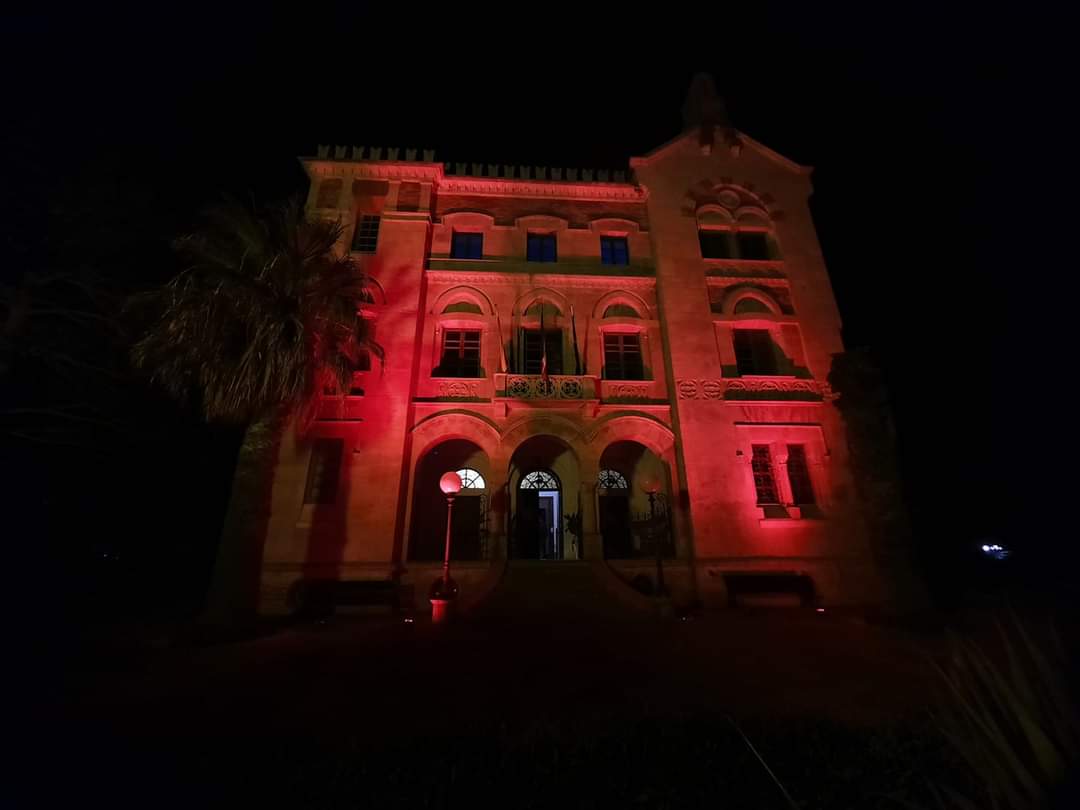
x: 691, y: 422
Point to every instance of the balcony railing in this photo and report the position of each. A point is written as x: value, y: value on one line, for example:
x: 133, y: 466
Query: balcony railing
x: 556, y: 386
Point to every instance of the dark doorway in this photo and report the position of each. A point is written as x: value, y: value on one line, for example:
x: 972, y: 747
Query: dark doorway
x: 527, y: 525
x: 615, y: 526
x: 538, y: 517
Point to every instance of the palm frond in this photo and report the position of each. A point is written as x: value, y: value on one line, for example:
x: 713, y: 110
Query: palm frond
x: 264, y: 316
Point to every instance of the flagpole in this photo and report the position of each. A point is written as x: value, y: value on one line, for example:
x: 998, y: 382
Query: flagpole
x: 502, y: 346
x: 577, y: 355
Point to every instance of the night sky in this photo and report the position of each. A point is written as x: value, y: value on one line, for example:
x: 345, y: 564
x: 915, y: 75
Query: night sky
x: 921, y: 139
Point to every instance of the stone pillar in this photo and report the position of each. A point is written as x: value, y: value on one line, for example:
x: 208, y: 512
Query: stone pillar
x: 498, y: 508
x: 591, y: 539
x: 590, y: 528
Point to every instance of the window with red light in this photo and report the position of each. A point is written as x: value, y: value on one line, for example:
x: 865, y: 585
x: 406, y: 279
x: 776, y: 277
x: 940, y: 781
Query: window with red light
x: 536, y: 344
x: 366, y: 235
x: 622, y: 357
x: 460, y: 353
x: 802, y: 491
x: 764, y: 478
x: 755, y: 352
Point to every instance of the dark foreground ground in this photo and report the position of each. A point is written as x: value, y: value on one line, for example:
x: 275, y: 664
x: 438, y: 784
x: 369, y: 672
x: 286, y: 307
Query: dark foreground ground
x: 377, y: 712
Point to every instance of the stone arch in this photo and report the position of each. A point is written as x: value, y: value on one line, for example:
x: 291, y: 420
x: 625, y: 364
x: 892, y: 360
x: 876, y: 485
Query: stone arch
x: 455, y: 424
x: 463, y: 293
x: 375, y: 291
x: 428, y: 515
x: 734, y: 296
x: 529, y: 426
x: 530, y: 297
x: 622, y: 297
x: 731, y: 194
x: 628, y: 426
x: 538, y: 514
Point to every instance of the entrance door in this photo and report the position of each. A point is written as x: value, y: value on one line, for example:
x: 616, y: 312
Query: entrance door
x: 549, y: 530
x: 615, y: 527
x: 527, y: 525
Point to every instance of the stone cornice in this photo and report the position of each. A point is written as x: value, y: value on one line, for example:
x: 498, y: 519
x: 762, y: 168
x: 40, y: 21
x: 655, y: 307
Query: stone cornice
x: 555, y: 189
x: 383, y: 170
x: 761, y: 281
x: 548, y: 189
x: 556, y: 280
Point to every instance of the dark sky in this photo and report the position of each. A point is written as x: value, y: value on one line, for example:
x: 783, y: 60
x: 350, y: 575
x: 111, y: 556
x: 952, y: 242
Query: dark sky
x: 913, y: 121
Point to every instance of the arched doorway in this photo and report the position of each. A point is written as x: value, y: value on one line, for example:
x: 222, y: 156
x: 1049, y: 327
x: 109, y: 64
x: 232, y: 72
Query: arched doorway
x: 469, y: 535
x: 545, y: 491
x: 629, y: 525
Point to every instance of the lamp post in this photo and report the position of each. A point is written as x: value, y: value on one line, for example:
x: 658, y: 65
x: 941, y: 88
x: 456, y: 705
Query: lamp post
x: 651, y: 486
x: 444, y: 591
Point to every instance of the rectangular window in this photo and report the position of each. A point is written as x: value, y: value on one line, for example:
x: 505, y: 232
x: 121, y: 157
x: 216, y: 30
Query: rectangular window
x: 534, y: 350
x: 753, y: 245
x: 366, y: 235
x: 802, y: 492
x: 715, y: 244
x: 324, y: 471
x: 614, y: 250
x: 541, y: 247
x: 467, y: 245
x: 754, y: 351
x: 622, y: 357
x: 764, y: 481
x: 460, y: 353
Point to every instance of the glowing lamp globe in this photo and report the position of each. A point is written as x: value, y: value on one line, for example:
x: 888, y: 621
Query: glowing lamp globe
x: 450, y: 483
x: 650, y: 485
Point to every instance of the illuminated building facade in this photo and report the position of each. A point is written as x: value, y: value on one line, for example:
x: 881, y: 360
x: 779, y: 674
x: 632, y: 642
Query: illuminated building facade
x: 565, y: 337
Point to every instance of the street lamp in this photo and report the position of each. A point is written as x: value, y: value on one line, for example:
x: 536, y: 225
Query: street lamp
x: 651, y: 486
x: 445, y: 590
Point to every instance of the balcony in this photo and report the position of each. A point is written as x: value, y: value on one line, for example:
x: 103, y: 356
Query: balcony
x: 571, y: 387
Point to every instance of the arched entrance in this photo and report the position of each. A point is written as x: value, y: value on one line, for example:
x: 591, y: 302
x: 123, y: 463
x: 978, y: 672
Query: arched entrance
x: 544, y: 483
x: 629, y: 524
x: 469, y: 535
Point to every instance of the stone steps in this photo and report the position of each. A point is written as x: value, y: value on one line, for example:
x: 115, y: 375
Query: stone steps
x: 555, y: 592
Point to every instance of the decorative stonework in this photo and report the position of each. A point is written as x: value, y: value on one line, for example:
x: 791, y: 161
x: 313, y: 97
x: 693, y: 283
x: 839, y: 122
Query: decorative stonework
x: 688, y: 389
x: 541, y: 188
x: 588, y: 282
x: 741, y: 388
x: 533, y: 386
x: 451, y: 389
x: 628, y: 391
x: 729, y: 199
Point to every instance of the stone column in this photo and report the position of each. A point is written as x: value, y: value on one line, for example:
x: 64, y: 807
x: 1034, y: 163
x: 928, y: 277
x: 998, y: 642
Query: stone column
x: 590, y: 529
x: 498, y: 508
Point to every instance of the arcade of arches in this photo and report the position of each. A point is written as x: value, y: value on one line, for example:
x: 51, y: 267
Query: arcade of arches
x: 542, y: 499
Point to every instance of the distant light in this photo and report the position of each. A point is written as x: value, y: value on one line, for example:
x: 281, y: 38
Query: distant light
x: 819, y: 610
x: 995, y: 550
x: 408, y: 620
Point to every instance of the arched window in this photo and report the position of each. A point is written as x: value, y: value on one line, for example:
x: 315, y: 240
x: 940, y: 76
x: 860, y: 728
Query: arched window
x: 464, y: 306
x: 539, y: 480
x: 612, y: 479
x: 621, y: 311
x: 748, y: 305
x: 550, y: 310
x: 471, y: 479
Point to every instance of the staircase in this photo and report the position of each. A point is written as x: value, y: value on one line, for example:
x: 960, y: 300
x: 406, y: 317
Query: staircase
x: 560, y: 593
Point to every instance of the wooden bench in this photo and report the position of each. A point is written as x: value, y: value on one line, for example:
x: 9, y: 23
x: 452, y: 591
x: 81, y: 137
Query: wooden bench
x: 315, y: 598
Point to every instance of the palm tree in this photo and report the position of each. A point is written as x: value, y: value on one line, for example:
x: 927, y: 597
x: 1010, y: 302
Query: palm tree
x: 262, y: 321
